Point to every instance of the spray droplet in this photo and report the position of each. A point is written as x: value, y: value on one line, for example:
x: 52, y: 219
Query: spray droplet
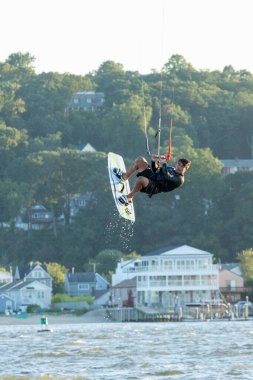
x: 121, y: 228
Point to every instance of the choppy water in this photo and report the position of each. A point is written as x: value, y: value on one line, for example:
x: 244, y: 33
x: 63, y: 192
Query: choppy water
x: 128, y: 351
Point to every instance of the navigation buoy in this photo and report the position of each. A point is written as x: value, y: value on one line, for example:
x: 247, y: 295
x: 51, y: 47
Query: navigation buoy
x: 44, y: 324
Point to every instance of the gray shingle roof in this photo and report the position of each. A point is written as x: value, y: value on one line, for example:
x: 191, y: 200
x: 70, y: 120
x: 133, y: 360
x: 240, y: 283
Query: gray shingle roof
x: 26, y: 269
x: 129, y: 283
x: 82, y: 277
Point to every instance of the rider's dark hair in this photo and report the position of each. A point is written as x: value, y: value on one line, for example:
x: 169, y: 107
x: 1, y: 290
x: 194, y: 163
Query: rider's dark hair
x: 184, y: 161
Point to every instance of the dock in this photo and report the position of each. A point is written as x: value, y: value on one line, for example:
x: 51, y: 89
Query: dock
x: 192, y: 312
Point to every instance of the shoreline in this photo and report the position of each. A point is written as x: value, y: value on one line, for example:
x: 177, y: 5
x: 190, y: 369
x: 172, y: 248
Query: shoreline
x: 93, y: 316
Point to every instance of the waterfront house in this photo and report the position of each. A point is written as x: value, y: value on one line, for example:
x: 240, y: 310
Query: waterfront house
x: 232, y: 283
x: 33, y: 272
x: 84, y: 284
x: 31, y: 285
x: 7, y: 304
x: 24, y: 293
x: 125, y: 270
x: 172, y: 278
x: 123, y: 293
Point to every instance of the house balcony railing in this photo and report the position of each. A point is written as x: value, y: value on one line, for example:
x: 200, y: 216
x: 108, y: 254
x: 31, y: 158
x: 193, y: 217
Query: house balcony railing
x: 229, y: 290
x: 178, y: 285
x: 212, y: 269
x: 42, y: 219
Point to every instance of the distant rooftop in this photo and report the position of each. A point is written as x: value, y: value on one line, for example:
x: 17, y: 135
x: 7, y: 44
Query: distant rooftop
x: 232, y: 166
x: 181, y: 251
x: 87, y: 101
x: 88, y: 148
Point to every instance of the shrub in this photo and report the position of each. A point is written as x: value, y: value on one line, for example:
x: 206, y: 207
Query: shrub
x: 32, y: 308
x: 65, y: 298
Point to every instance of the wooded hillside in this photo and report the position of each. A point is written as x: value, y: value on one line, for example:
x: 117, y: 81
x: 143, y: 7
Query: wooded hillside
x: 41, y: 161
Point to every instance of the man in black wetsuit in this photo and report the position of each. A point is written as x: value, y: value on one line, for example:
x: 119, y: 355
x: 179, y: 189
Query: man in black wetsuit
x: 159, y: 178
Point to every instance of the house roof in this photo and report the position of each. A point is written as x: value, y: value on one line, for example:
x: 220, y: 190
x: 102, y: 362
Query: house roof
x: 129, y: 283
x: 100, y: 293
x: 160, y: 250
x: 232, y: 267
x: 23, y: 271
x: 228, y: 266
x: 182, y: 250
x: 102, y: 278
x: 27, y: 284
x: 88, y: 148
x: 7, y: 297
x: 81, y: 277
x: 15, y: 285
x: 238, y: 163
x: 228, y: 270
x: 125, y: 263
x: 10, y: 285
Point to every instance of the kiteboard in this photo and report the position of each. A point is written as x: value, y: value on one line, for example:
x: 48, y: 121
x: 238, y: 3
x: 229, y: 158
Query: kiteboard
x: 120, y: 187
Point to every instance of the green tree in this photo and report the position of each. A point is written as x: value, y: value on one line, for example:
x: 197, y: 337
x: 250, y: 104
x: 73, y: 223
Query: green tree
x: 13, y: 196
x: 123, y: 128
x: 57, y: 272
x: 178, y: 67
x: 57, y: 176
x: 12, y: 144
x: 84, y: 127
x: 47, y: 97
x: 246, y: 264
x: 236, y: 205
x: 106, y: 260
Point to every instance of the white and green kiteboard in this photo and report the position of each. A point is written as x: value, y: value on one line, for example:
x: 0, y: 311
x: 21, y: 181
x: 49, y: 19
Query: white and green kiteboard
x: 120, y: 187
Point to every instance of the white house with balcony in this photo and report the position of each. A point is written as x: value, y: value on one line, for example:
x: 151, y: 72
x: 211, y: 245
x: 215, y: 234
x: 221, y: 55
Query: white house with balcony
x: 178, y: 277
x: 126, y: 270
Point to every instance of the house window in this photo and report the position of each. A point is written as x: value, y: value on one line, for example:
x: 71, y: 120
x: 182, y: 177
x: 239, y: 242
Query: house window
x: 37, y: 274
x: 40, y: 295
x: 157, y: 280
x: 191, y: 280
x: 230, y: 283
x: 168, y: 264
x: 203, y: 263
x: 83, y: 286
x: 175, y: 280
x: 145, y: 265
x: 180, y: 264
x: 189, y: 264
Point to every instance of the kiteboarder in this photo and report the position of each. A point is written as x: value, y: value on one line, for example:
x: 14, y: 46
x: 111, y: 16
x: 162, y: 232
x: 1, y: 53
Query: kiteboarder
x: 159, y: 178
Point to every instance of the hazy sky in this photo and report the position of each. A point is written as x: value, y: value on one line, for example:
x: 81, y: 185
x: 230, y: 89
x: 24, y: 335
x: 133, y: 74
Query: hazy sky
x: 77, y: 36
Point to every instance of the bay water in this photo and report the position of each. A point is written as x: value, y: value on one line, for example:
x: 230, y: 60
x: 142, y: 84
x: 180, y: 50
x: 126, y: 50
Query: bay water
x: 128, y: 351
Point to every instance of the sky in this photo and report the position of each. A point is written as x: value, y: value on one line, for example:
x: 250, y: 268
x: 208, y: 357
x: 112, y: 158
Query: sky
x: 77, y: 36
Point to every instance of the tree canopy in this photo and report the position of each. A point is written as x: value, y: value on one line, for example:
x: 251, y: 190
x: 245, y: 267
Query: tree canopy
x: 41, y: 141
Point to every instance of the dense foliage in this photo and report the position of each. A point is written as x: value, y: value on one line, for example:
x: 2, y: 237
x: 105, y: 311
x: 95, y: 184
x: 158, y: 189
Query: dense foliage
x: 41, y: 161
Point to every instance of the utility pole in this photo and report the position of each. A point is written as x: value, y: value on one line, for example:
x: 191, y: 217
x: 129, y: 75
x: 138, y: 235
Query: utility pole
x: 94, y: 266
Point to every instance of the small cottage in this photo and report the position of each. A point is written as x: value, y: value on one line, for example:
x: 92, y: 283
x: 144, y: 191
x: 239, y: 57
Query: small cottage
x: 84, y: 283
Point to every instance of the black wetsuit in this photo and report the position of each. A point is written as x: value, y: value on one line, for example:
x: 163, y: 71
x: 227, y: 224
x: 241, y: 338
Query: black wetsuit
x: 162, y: 181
